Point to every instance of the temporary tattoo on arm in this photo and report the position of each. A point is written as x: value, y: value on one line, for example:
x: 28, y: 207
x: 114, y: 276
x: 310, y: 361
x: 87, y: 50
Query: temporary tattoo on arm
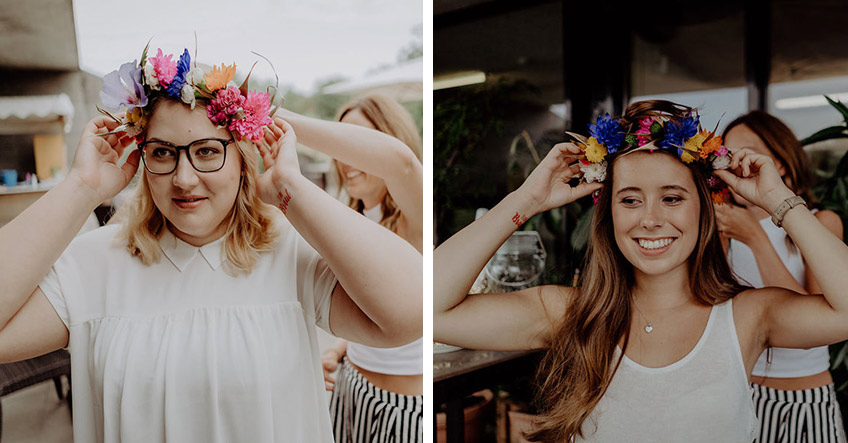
x: 519, y: 219
x: 284, y: 201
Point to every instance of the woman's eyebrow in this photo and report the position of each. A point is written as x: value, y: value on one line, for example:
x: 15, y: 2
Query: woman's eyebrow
x: 664, y: 188
x: 675, y: 188
x: 629, y: 189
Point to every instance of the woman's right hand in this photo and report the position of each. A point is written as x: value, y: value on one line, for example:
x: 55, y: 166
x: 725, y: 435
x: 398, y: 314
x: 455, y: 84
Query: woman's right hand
x: 95, y: 164
x: 547, y: 186
x: 330, y: 364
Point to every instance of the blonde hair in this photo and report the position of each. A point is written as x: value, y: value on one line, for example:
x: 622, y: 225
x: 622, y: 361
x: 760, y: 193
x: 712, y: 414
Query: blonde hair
x: 250, y: 223
x: 391, y: 118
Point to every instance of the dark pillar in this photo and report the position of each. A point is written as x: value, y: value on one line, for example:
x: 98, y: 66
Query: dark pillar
x: 757, y: 52
x: 596, y: 65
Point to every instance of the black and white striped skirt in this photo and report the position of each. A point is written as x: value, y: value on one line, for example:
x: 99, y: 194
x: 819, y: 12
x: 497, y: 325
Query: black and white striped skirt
x: 809, y: 415
x: 364, y: 413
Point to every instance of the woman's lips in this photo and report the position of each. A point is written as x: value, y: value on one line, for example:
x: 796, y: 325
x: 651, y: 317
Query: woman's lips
x: 188, y: 202
x: 654, y: 246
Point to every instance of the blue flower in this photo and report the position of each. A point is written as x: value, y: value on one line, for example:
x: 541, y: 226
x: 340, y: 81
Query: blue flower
x: 123, y: 87
x: 183, y: 67
x: 608, y: 132
x: 676, y: 134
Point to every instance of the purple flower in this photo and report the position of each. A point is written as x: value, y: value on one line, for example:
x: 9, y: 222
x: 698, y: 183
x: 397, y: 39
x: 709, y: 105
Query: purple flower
x: 123, y: 87
x: 183, y: 67
x: 676, y: 134
x: 608, y: 132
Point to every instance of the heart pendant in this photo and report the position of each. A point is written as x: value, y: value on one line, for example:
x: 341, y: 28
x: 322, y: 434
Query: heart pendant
x: 649, y: 328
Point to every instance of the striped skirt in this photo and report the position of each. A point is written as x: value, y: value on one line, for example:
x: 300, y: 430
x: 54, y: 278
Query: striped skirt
x: 809, y: 415
x: 364, y: 413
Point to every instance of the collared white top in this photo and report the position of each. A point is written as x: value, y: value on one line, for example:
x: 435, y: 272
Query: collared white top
x: 182, y: 351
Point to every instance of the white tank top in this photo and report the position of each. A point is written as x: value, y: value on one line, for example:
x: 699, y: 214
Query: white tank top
x: 785, y: 363
x: 403, y: 360
x: 703, y: 397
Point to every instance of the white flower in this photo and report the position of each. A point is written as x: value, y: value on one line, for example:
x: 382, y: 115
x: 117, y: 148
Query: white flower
x: 195, y: 76
x: 150, y: 76
x: 187, y: 95
x: 721, y: 162
x: 594, y: 171
x: 133, y: 130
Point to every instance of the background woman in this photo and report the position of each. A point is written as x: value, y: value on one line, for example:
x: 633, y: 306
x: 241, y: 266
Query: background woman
x: 659, y: 341
x: 192, y: 319
x: 378, y: 394
x: 793, y: 391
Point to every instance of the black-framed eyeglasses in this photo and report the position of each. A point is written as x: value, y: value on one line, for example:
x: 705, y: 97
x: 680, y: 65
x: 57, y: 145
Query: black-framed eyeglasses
x: 205, y: 155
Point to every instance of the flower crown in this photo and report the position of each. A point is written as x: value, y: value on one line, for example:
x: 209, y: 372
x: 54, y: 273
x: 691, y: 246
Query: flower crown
x: 244, y: 113
x: 684, y: 138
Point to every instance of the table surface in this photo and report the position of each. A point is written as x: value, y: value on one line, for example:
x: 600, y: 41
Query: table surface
x: 24, y: 189
x: 451, y: 364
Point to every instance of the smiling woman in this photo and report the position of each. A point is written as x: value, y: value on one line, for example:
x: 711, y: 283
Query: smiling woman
x: 659, y: 341
x: 192, y: 316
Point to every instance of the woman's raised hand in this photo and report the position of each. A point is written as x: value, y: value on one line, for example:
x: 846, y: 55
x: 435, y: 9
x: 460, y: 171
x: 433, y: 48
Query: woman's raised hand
x: 755, y: 177
x: 279, y: 153
x: 547, y: 186
x: 95, y: 163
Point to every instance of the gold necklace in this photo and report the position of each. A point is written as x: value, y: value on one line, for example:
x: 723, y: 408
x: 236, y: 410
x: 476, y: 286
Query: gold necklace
x: 649, y: 325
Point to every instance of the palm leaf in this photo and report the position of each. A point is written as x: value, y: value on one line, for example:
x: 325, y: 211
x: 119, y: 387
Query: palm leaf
x: 826, y: 134
x: 839, y: 107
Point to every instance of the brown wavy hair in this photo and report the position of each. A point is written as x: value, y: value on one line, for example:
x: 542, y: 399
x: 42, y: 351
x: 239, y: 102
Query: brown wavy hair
x: 581, y: 358
x: 250, y: 223
x: 785, y: 147
x: 391, y: 118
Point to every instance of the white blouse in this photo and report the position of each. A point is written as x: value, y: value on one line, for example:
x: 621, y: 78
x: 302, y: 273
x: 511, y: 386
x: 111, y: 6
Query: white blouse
x: 181, y: 351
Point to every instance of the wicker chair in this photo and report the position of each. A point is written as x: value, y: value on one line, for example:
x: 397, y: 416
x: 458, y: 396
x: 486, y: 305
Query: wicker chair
x: 22, y: 374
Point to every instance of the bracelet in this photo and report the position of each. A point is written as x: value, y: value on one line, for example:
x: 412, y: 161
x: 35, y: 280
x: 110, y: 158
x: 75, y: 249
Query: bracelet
x: 784, y: 207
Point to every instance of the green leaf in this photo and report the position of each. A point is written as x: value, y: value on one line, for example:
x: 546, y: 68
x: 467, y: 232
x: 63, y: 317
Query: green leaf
x: 840, y: 356
x: 826, y: 134
x: 839, y: 107
x: 144, y: 53
x: 630, y: 139
x: 656, y: 128
x: 842, y: 167
x: 580, y: 235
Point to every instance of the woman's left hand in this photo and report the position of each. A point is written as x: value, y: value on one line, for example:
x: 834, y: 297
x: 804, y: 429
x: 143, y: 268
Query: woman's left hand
x: 279, y: 154
x: 736, y: 223
x: 754, y: 177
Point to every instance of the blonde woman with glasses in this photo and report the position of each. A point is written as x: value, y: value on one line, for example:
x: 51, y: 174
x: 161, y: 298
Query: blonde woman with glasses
x: 192, y: 318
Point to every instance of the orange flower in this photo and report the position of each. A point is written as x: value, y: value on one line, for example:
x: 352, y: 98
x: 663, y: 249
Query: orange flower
x: 710, y: 146
x: 721, y: 197
x: 218, y: 78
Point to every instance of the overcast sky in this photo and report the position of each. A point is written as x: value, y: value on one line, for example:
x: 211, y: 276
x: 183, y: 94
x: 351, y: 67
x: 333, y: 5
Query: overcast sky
x: 307, y: 40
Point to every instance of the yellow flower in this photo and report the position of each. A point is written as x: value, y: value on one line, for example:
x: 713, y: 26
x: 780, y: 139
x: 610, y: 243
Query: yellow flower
x: 687, y: 157
x: 595, y: 152
x: 218, y: 78
x: 695, y: 143
x: 136, y: 116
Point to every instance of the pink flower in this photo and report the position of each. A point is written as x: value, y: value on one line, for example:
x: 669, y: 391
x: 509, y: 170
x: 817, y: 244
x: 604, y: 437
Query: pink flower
x: 165, y: 68
x: 721, y: 151
x: 255, y: 108
x: 226, y: 104
x: 644, y: 132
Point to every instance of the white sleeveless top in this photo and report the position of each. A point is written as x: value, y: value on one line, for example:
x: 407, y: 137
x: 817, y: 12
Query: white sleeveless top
x: 785, y: 363
x: 703, y: 397
x: 403, y: 360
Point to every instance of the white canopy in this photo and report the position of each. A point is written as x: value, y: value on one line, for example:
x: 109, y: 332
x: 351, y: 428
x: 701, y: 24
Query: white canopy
x: 36, y: 114
x: 402, y: 82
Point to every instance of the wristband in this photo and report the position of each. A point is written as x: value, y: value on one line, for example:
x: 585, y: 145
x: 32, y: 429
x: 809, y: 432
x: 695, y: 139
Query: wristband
x: 784, y: 207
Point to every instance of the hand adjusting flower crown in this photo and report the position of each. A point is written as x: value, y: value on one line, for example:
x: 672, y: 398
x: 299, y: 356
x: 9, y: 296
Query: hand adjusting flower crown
x: 244, y: 113
x: 684, y: 138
